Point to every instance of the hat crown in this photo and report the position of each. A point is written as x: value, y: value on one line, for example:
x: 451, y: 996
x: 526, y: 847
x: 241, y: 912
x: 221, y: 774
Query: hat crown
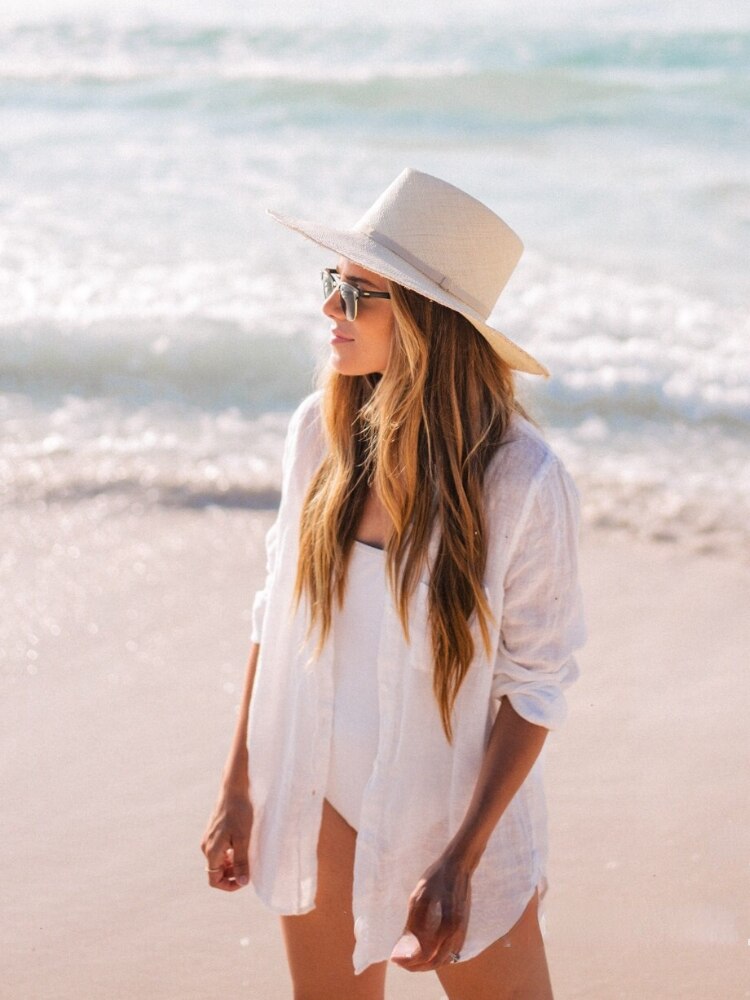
x: 444, y: 232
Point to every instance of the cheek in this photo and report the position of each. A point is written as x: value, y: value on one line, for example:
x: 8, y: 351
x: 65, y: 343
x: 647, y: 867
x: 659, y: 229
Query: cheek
x: 378, y: 353
x: 385, y: 339
x: 372, y: 350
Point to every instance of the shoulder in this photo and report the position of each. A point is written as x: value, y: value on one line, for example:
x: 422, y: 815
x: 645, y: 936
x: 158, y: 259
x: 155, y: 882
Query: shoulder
x: 305, y: 431
x: 523, y: 458
x: 532, y: 504
x: 305, y: 441
x: 307, y: 419
x: 524, y: 472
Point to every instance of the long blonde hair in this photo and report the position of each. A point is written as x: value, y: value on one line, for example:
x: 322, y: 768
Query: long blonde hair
x: 422, y: 435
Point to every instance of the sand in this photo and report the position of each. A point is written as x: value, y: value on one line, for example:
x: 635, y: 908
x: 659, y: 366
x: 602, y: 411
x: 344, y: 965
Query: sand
x: 124, y: 638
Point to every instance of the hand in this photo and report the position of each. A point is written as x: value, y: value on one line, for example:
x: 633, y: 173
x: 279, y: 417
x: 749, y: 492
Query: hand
x: 437, y: 920
x: 226, y: 841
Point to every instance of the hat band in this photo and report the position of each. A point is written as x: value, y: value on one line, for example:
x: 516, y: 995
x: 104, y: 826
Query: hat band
x: 442, y: 280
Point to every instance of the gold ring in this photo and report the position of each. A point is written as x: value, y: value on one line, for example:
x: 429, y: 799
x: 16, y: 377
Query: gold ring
x: 212, y: 871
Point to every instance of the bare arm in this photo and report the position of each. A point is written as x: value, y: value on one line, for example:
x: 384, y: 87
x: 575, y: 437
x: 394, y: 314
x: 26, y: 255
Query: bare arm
x: 439, y: 906
x: 513, y: 747
x: 227, y: 835
x: 235, y: 770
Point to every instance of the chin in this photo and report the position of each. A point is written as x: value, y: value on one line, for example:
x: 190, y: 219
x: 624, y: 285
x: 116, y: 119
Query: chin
x: 352, y: 369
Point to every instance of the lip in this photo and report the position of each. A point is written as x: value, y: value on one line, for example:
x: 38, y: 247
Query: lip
x: 338, y: 338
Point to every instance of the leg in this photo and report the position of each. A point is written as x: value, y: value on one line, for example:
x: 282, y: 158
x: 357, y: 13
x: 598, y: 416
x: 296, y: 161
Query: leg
x: 319, y: 944
x: 512, y: 968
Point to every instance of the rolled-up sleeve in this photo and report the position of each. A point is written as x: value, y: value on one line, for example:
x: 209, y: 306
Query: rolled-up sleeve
x: 543, y: 622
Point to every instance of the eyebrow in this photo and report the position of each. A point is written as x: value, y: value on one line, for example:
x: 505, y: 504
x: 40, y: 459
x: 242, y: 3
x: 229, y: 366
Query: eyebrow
x: 354, y: 280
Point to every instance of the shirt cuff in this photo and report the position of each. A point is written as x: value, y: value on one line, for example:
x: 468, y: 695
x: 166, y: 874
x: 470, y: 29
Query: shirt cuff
x: 538, y: 699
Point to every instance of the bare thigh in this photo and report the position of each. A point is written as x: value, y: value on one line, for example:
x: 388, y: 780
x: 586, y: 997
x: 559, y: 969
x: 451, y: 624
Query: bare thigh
x: 319, y: 944
x: 512, y: 968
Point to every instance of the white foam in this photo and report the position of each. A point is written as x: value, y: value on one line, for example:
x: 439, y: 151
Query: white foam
x: 150, y: 314
x: 157, y: 454
x: 689, y: 486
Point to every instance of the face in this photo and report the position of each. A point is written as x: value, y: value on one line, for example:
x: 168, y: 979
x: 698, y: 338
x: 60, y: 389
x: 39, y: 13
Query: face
x: 360, y: 347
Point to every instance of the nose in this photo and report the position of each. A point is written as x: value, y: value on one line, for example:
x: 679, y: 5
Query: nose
x: 332, y: 306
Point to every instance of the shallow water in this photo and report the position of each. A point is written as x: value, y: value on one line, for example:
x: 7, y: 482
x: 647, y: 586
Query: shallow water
x: 156, y: 327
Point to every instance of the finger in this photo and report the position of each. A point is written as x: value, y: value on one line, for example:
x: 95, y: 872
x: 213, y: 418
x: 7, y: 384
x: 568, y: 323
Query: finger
x: 440, y: 957
x: 429, y: 918
x: 417, y: 962
x: 219, y: 869
x: 426, y: 923
x: 235, y: 870
x: 416, y: 951
x: 223, y: 880
x: 451, y: 941
x: 432, y: 951
x: 451, y: 944
x: 215, y: 874
x: 421, y: 935
x: 406, y: 949
x: 240, y: 865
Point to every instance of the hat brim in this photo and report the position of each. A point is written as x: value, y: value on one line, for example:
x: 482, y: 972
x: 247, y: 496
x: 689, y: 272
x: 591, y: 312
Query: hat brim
x: 364, y: 250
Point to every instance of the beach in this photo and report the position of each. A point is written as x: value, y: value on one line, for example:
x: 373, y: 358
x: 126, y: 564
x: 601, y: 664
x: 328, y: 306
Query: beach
x: 120, y: 685
x: 157, y: 330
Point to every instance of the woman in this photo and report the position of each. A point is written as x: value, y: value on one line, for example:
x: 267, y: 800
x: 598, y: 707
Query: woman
x: 415, y: 633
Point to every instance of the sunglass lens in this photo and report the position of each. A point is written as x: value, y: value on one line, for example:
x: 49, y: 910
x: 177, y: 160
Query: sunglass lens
x: 347, y: 294
x: 349, y: 300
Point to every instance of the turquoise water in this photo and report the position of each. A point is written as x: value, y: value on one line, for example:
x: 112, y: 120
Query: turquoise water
x: 156, y: 327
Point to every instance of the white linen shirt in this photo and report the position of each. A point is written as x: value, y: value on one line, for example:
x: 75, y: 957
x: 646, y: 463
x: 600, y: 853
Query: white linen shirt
x: 421, y: 785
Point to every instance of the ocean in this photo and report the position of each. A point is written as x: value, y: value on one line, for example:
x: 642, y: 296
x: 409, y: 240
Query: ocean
x: 157, y: 328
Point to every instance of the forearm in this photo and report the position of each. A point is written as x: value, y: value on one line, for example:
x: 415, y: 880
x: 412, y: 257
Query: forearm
x: 513, y: 746
x: 236, y: 770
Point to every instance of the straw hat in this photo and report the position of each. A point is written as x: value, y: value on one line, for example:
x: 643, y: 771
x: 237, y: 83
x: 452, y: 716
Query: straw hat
x: 430, y: 236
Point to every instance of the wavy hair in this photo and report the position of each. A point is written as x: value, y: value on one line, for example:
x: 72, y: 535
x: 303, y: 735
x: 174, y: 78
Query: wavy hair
x: 422, y: 435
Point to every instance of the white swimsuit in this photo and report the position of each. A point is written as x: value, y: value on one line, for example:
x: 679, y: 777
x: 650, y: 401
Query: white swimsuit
x: 356, y: 714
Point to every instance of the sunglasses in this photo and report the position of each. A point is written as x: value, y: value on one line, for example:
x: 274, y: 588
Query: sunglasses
x: 348, y: 294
